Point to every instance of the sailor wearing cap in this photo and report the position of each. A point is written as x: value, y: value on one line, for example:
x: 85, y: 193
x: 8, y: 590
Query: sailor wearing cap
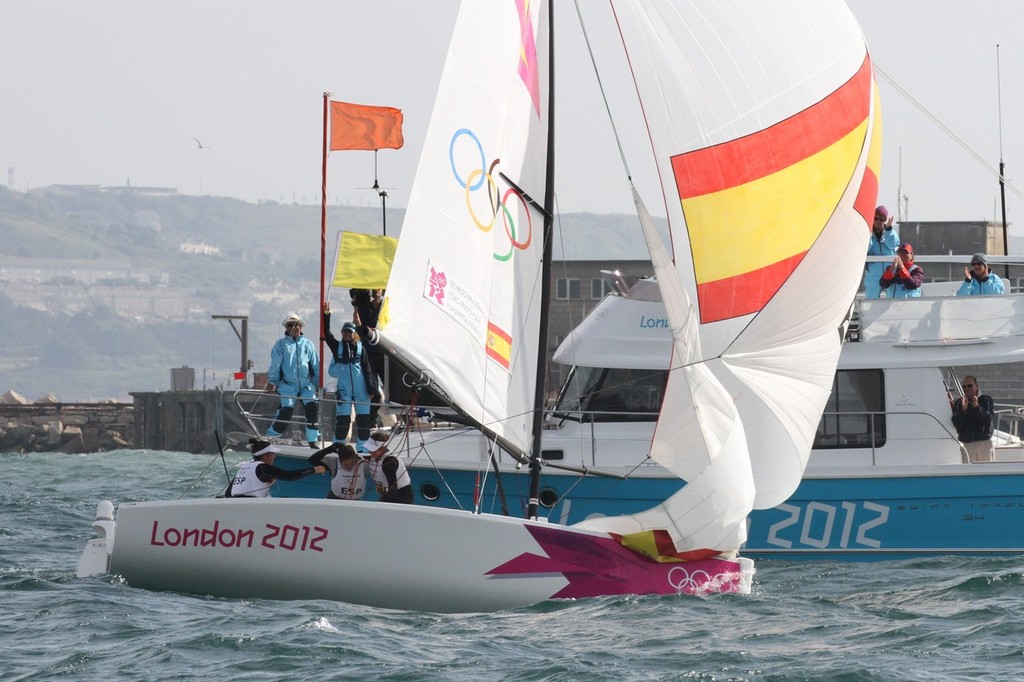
x: 294, y: 373
x: 389, y: 473
x: 979, y: 280
x: 254, y: 478
x: 903, y: 276
x: 357, y: 382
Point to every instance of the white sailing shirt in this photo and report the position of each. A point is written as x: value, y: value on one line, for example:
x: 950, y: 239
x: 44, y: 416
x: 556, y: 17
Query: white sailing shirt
x: 247, y: 483
x: 349, y: 485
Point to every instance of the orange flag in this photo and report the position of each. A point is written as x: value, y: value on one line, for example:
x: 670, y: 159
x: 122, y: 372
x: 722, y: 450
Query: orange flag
x: 357, y: 126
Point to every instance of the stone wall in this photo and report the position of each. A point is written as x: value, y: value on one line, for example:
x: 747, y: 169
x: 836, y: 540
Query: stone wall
x: 66, y: 427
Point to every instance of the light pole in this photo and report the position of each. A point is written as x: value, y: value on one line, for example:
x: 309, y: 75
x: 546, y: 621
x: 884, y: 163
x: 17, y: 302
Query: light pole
x: 243, y: 336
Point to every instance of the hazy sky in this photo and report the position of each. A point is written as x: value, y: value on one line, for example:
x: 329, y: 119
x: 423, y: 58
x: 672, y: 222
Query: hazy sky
x: 110, y: 91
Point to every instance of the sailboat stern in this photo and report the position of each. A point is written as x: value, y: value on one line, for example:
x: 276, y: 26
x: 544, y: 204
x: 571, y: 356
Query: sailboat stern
x: 600, y: 564
x: 95, y: 559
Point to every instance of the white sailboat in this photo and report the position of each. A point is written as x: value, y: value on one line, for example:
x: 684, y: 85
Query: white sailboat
x: 764, y: 125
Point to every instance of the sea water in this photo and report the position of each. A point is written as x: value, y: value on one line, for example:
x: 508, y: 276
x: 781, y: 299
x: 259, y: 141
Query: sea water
x: 935, y: 619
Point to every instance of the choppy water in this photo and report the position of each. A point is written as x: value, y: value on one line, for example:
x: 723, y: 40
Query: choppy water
x: 936, y: 619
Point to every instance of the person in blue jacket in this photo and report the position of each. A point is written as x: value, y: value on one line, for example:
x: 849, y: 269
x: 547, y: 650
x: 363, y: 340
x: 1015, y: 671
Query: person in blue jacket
x: 357, y: 381
x: 883, y: 242
x: 979, y: 280
x: 294, y: 373
x: 903, y: 275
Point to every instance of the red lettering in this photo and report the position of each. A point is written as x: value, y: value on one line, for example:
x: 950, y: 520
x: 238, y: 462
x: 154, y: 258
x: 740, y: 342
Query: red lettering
x: 190, y: 534
x: 152, y: 536
x: 172, y: 537
x: 209, y: 538
x: 315, y: 542
x: 272, y: 532
x: 229, y: 534
x: 292, y: 533
x: 305, y: 537
x: 246, y: 537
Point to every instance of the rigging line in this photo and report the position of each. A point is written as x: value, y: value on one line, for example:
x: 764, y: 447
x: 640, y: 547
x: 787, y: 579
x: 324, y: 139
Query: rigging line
x: 199, y: 476
x: 934, y: 119
x: 604, y: 96
x: 565, y: 273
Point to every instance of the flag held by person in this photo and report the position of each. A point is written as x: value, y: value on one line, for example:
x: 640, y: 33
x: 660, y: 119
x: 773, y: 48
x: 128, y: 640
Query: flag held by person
x: 358, y: 126
x: 364, y: 260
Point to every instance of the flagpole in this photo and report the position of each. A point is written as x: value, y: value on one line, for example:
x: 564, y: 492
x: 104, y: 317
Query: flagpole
x: 323, y: 238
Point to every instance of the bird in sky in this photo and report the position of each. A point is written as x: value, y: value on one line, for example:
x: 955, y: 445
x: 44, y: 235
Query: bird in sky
x: 200, y: 144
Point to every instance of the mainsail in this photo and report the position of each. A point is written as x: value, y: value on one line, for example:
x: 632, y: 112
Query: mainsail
x: 766, y: 131
x: 463, y: 300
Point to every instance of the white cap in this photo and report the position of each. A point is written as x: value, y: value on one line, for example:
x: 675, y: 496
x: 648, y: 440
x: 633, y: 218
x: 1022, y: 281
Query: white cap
x: 372, y: 445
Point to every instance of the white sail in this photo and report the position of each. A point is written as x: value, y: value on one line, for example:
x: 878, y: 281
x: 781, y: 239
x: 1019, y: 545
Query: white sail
x: 463, y: 299
x: 762, y: 119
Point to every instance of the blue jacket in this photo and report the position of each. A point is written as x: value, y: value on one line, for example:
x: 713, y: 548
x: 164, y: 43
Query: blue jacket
x: 886, y: 246
x: 347, y: 367
x: 294, y: 365
x: 982, y: 287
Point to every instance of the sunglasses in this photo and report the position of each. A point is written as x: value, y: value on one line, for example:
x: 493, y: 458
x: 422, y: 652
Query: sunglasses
x: 968, y: 385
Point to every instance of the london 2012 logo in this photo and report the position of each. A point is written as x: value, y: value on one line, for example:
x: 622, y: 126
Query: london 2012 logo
x: 501, y: 197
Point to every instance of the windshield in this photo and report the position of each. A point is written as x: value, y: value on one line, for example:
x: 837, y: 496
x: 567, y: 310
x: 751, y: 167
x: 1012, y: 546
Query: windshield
x: 600, y: 394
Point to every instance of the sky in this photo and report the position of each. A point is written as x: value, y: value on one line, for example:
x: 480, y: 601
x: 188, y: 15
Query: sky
x: 109, y: 92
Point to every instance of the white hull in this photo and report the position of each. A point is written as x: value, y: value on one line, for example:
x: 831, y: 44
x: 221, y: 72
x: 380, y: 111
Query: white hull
x: 382, y: 555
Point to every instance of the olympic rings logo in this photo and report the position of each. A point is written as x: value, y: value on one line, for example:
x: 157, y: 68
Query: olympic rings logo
x: 487, y: 175
x: 685, y: 582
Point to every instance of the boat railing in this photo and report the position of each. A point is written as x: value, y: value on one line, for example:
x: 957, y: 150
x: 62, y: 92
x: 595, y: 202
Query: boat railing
x: 881, y: 427
x: 1008, y: 424
x: 601, y: 416
x: 259, y: 410
x: 939, y: 316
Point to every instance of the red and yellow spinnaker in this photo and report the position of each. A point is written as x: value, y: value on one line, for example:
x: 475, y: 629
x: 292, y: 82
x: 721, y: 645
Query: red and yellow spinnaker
x: 778, y: 181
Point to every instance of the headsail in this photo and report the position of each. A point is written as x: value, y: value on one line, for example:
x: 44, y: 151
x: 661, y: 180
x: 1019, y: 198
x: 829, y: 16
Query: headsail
x: 764, y: 123
x: 463, y: 298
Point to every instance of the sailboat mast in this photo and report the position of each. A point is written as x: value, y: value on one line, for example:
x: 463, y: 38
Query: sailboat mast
x: 1002, y: 167
x: 540, y: 389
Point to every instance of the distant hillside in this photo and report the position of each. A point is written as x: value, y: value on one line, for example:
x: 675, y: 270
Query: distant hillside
x: 97, y: 353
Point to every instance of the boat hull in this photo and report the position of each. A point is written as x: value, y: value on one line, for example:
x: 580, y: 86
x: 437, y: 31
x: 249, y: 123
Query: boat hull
x: 389, y: 556
x: 857, y: 514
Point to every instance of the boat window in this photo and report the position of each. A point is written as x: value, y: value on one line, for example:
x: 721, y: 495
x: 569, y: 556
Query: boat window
x: 603, y: 395
x: 854, y: 416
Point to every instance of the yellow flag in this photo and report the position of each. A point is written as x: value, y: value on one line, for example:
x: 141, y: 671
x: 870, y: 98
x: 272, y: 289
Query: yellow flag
x: 364, y: 261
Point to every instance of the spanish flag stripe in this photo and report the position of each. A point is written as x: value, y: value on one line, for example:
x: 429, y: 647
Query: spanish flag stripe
x: 498, y: 345
x: 767, y: 151
x: 657, y: 545
x: 741, y: 229
x: 743, y: 294
x: 867, y: 196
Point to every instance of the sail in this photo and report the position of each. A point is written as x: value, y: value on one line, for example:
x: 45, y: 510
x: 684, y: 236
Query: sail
x: 764, y: 123
x: 463, y: 299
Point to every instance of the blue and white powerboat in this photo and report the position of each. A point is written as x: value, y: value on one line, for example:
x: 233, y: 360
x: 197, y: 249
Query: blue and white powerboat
x: 886, y: 479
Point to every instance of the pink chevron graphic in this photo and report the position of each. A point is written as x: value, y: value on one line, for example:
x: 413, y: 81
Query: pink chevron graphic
x: 528, y: 70
x: 600, y: 566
